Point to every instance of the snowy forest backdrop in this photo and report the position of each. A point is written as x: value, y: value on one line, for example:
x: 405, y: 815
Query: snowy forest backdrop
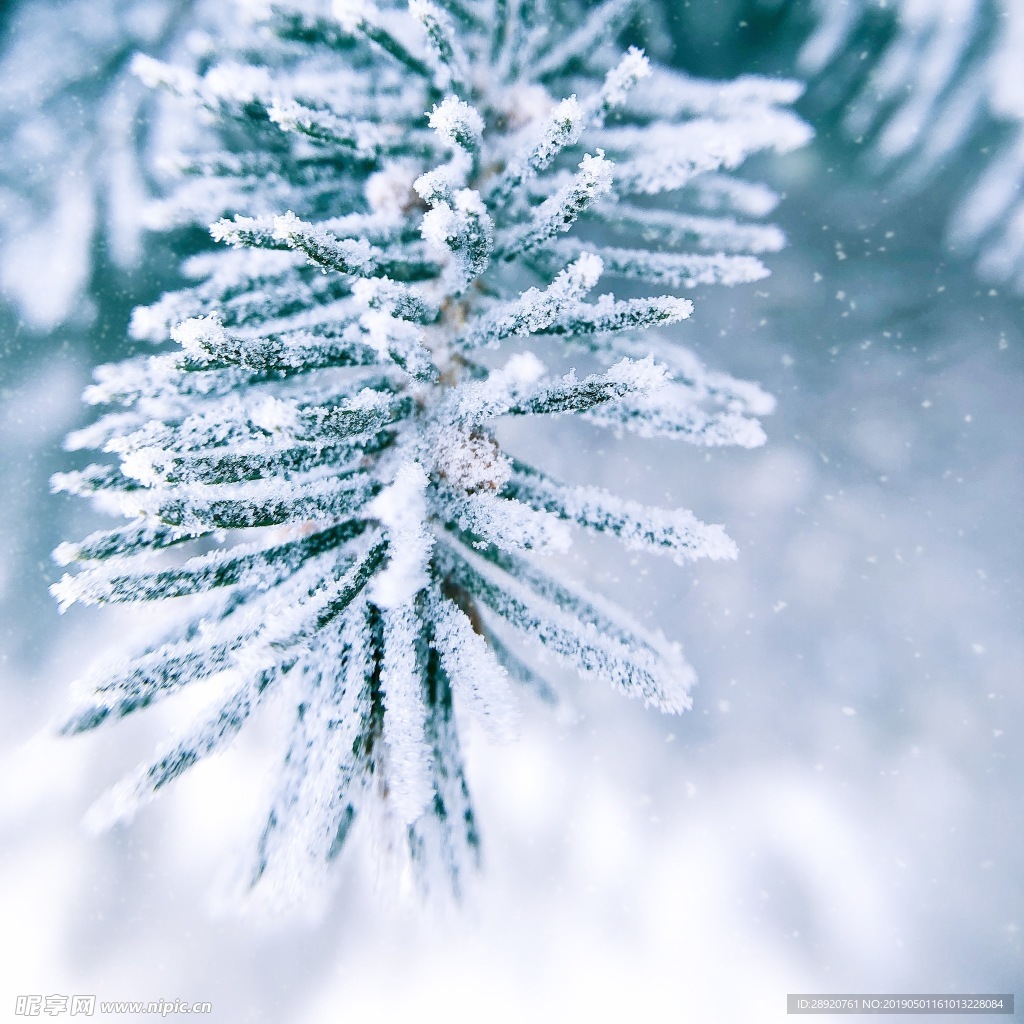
x: 839, y: 812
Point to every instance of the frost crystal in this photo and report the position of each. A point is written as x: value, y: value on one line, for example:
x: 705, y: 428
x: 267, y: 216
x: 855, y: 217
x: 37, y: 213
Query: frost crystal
x: 395, y: 193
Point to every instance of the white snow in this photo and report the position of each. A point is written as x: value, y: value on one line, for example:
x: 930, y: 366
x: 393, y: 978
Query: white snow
x: 402, y: 509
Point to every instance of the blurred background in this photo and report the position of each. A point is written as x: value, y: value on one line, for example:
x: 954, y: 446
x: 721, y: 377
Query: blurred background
x: 841, y: 810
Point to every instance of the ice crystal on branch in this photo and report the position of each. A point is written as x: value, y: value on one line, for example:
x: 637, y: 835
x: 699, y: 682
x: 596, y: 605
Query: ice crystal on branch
x: 397, y: 193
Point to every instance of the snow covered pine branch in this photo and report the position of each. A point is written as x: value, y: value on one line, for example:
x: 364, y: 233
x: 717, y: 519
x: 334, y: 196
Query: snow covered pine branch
x: 401, y: 193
